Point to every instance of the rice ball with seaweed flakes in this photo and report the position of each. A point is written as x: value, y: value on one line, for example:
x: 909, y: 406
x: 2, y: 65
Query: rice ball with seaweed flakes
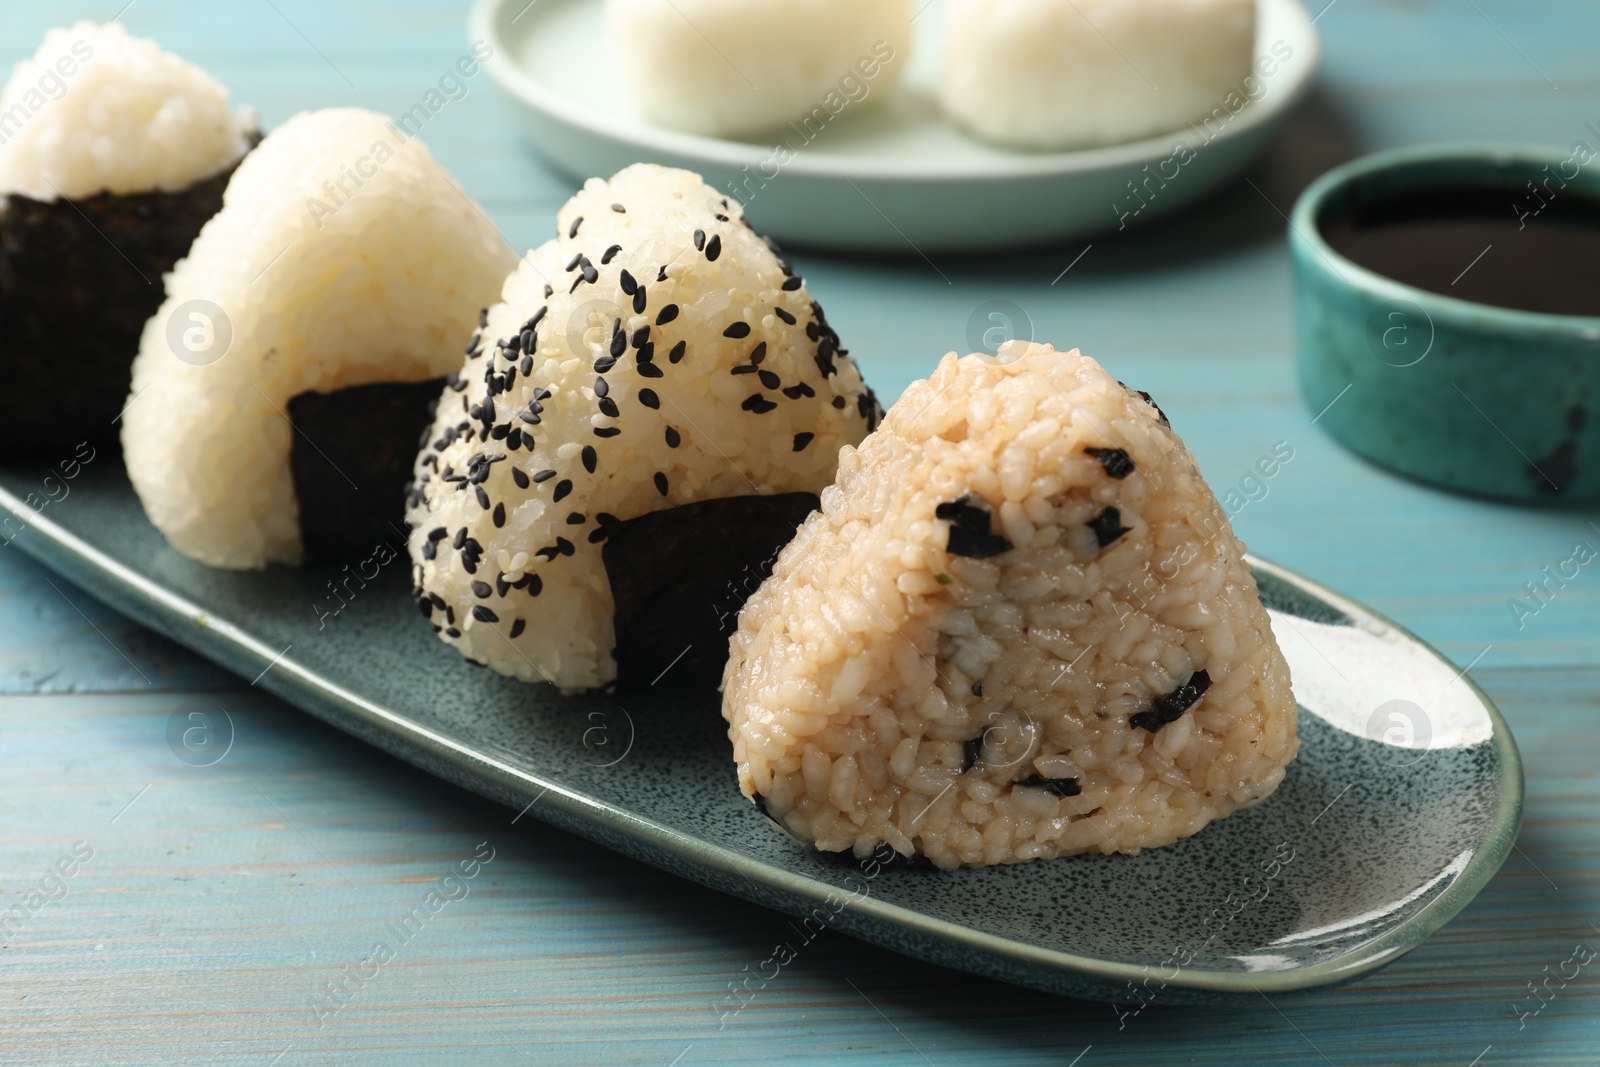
x: 1020, y: 627
x: 657, y: 353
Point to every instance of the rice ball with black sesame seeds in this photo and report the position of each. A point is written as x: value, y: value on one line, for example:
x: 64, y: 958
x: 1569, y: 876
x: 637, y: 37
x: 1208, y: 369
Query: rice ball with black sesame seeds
x: 656, y: 353
x: 731, y: 68
x: 1019, y: 627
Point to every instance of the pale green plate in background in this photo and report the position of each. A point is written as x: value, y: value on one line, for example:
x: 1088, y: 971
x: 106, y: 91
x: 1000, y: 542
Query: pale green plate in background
x: 894, y: 175
x: 1404, y: 801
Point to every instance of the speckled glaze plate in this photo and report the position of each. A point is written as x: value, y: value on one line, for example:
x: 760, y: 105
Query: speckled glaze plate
x: 890, y: 174
x: 1405, y: 799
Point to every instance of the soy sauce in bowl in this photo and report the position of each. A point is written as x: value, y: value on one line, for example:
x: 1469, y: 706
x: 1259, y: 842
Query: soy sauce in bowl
x: 1498, y: 245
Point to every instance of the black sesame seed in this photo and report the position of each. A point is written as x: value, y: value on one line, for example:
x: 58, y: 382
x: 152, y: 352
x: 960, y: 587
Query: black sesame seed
x: 577, y: 518
x: 526, y: 366
x: 500, y: 514
x: 483, y: 614
x: 516, y: 629
x: 610, y: 254
x: 429, y: 550
x: 590, y: 458
x: 575, y: 224
x: 565, y: 547
x: 590, y: 275
x: 438, y: 533
x: 792, y: 283
x: 607, y: 431
x: 483, y: 318
x: 661, y: 483
x: 744, y: 368
x: 604, y: 364
x: 639, y: 301
x: 563, y: 487
x: 535, y: 585
x: 714, y: 248
x: 481, y: 590
x: 770, y: 380
x: 544, y: 476
x: 678, y: 350
x: 674, y: 439
x: 483, y: 498
x: 649, y: 399
x: 519, y: 477
x: 576, y: 259
x: 452, y: 632
x: 758, y: 404
x: 460, y: 540
x: 426, y: 607
x: 977, y: 689
x: 758, y: 353
x: 640, y: 338
x: 971, y: 749
x: 601, y: 389
x: 650, y: 370
x: 798, y: 390
x: 628, y: 282
x: 838, y: 402
x: 801, y: 440
x: 699, y: 240
x: 619, y: 209
x: 608, y: 407
x: 666, y: 314
x: 737, y: 330
x: 1114, y: 461
x: 597, y: 535
x: 784, y: 315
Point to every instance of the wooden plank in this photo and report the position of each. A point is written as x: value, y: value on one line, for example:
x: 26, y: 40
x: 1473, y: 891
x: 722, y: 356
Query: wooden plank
x: 224, y: 899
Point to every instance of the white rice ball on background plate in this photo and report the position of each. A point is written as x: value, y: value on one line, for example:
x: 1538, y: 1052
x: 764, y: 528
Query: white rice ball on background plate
x: 95, y: 110
x: 343, y: 255
x: 1052, y: 75
x: 729, y: 68
x: 1020, y: 627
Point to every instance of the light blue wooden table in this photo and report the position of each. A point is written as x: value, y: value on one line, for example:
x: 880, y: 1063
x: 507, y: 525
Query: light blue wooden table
x: 219, y: 903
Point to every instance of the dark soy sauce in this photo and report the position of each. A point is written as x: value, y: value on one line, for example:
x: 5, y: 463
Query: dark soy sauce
x: 1544, y: 259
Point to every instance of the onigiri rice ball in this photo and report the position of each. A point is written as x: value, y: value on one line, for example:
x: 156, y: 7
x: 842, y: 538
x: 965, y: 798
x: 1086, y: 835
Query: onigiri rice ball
x: 1062, y: 74
x: 731, y: 68
x: 657, y: 354
x: 343, y: 255
x: 1019, y: 627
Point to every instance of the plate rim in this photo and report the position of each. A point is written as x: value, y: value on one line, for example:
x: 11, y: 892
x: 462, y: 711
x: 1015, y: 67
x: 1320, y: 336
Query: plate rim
x: 484, y: 21
x: 67, y: 554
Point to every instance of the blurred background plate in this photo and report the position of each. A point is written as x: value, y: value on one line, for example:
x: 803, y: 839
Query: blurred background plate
x: 896, y: 177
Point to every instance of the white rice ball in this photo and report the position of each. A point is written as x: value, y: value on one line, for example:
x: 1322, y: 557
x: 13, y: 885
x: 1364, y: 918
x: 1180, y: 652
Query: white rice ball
x: 656, y: 353
x: 95, y: 110
x: 343, y: 255
x: 1062, y: 74
x: 729, y: 68
x: 1020, y: 627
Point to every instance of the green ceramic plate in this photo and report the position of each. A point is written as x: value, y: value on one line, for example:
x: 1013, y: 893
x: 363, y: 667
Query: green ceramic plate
x: 1405, y: 799
x: 896, y: 177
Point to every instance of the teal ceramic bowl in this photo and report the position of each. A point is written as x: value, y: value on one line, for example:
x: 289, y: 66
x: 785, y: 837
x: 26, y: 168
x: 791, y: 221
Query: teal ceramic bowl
x: 1474, y: 398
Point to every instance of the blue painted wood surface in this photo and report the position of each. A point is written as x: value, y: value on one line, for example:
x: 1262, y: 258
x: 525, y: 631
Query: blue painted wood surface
x: 220, y: 902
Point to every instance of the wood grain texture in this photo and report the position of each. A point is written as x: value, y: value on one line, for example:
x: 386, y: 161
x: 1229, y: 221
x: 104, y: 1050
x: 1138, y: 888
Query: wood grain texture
x: 222, y: 899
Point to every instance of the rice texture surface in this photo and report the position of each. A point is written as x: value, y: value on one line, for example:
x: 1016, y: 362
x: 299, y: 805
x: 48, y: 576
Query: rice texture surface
x: 1019, y: 627
x: 1063, y: 74
x: 343, y: 255
x: 95, y: 110
x: 656, y: 353
x: 730, y: 68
